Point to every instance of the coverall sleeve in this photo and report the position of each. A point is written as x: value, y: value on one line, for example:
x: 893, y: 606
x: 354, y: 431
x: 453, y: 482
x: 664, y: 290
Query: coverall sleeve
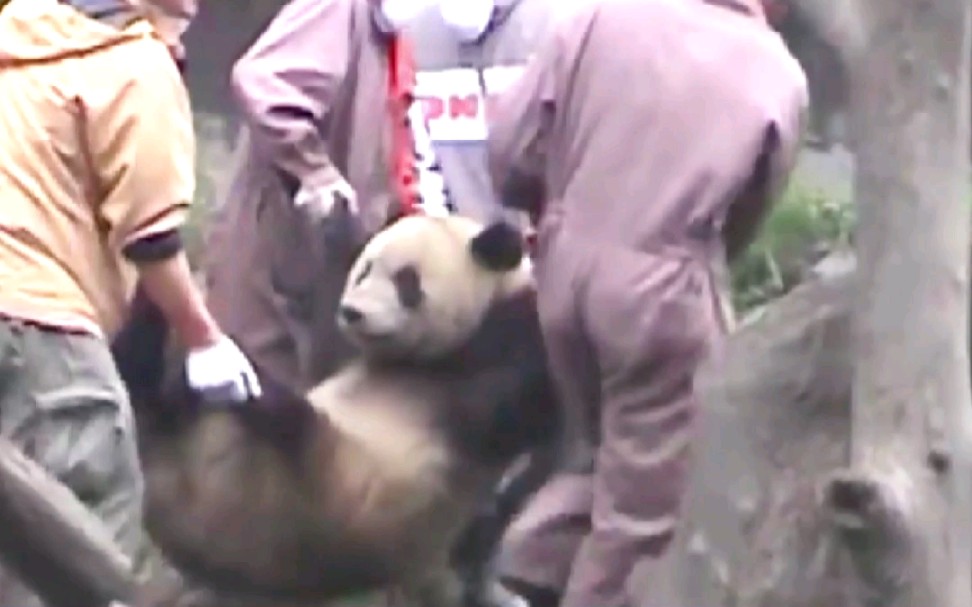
x: 772, y: 169
x: 519, y: 129
x: 286, y: 82
x: 790, y: 128
x: 142, y: 148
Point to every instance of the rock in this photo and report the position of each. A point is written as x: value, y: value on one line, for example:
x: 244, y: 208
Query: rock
x: 776, y: 420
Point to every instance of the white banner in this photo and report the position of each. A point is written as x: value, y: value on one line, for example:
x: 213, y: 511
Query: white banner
x: 455, y: 108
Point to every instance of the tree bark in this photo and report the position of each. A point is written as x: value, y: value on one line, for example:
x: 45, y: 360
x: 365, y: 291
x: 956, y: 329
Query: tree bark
x: 903, y: 507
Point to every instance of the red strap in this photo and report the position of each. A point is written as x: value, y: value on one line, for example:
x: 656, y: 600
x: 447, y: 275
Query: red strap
x: 401, y: 87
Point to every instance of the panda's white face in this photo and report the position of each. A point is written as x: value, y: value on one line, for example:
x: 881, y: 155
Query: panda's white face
x: 422, y: 286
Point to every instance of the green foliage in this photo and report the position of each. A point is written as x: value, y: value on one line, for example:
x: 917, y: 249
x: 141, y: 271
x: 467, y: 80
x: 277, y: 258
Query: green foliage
x: 804, y: 226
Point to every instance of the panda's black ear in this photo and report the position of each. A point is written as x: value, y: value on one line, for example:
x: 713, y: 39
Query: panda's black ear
x: 498, y: 247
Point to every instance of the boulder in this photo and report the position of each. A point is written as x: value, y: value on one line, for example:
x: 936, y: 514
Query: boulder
x: 776, y: 422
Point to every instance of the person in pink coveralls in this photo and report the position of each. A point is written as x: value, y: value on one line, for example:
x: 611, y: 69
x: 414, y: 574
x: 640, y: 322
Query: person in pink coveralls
x: 650, y: 137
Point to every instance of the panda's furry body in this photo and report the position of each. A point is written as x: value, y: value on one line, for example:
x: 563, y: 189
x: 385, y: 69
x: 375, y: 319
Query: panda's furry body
x: 366, y: 481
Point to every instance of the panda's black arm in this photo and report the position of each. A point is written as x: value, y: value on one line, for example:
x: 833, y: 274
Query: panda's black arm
x: 504, y: 411
x: 139, y: 347
x: 514, y: 413
x: 524, y: 481
x: 479, y: 542
x: 474, y: 553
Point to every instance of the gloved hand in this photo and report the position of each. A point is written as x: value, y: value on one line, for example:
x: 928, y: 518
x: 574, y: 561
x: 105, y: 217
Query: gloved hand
x: 221, y: 372
x: 332, y: 206
x: 322, y: 201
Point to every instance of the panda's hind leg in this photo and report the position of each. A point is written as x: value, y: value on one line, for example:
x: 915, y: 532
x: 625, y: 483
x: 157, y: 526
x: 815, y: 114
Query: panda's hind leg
x: 474, y: 552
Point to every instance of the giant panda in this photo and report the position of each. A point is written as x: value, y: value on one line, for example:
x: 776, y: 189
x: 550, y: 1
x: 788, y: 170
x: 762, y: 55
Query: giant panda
x: 366, y: 481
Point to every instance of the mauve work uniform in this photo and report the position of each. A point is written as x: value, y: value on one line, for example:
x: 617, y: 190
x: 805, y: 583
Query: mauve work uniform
x: 319, y: 102
x: 642, y: 128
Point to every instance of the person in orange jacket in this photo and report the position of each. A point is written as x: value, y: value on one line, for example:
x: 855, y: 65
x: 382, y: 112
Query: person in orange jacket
x: 96, y: 176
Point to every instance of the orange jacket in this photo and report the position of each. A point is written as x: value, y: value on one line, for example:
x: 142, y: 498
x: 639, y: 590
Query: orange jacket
x: 97, y: 152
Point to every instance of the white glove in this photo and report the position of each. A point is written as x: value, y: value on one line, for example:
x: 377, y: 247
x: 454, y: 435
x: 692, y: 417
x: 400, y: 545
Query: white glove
x: 321, y: 202
x: 222, y: 372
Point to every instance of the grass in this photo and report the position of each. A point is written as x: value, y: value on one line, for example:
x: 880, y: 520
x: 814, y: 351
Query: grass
x: 804, y: 225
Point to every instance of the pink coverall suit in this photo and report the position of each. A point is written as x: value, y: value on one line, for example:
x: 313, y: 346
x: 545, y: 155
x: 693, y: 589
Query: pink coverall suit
x: 637, y: 132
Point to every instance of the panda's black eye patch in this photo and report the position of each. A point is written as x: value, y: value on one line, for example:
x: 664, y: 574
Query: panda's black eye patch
x: 408, y: 285
x: 363, y: 273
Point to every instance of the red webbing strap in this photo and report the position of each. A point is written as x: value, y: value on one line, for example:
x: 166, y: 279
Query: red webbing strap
x: 401, y: 86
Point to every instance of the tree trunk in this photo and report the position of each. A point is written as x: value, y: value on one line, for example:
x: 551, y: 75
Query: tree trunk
x: 902, y: 509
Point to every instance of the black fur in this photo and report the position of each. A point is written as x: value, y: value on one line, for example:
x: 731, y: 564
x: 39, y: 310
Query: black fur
x: 355, y: 574
x: 408, y: 287
x: 139, y: 348
x: 503, y: 402
x: 154, y: 374
x: 498, y: 247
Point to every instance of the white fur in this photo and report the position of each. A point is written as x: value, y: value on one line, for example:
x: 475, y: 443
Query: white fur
x: 458, y: 291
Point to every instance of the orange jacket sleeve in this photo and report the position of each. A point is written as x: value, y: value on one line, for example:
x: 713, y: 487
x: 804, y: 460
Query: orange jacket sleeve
x: 142, y: 148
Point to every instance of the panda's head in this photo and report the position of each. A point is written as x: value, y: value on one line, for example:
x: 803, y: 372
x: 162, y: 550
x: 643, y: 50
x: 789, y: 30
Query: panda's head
x: 422, y: 286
